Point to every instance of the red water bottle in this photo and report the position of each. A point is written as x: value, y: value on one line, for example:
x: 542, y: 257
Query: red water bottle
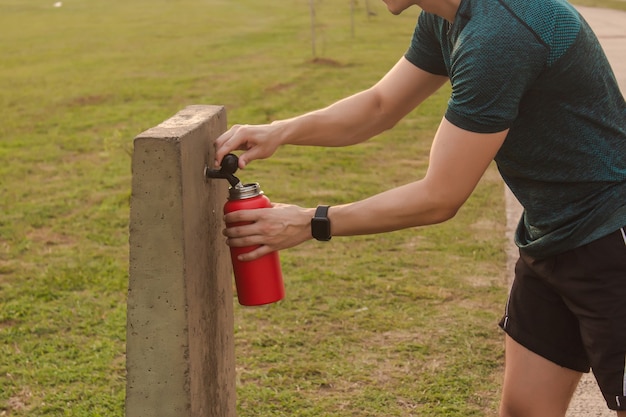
x: 259, y: 281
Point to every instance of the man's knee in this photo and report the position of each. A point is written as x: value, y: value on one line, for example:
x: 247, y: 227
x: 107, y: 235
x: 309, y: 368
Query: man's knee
x: 528, y: 409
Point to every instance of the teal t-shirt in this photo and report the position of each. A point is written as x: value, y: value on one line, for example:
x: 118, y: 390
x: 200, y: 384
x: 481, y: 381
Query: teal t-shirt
x: 535, y: 67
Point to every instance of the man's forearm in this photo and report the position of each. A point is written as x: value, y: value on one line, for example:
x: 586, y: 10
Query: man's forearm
x: 349, y: 121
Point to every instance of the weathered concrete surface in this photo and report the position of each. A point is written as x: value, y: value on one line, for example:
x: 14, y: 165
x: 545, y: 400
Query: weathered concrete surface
x: 610, y: 27
x: 180, y: 345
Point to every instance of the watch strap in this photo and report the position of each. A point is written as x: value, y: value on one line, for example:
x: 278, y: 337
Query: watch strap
x: 322, y: 212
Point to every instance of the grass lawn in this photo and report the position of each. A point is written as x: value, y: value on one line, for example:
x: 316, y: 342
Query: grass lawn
x: 399, y: 324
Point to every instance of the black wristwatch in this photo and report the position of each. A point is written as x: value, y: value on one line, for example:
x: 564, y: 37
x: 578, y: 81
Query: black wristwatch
x: 320, y: 224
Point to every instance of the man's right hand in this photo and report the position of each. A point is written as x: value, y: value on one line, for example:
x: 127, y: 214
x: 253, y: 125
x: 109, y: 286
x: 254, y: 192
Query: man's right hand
x: 257, y: 142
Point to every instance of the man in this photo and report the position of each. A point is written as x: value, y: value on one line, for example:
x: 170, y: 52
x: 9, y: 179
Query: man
x: 532, y: 89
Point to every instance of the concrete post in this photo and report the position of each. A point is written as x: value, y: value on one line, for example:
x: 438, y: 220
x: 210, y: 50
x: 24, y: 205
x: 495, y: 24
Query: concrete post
x: 180, y: 347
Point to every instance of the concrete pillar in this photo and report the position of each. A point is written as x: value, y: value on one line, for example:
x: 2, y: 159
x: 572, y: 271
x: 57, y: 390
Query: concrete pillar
x: 180, y: 347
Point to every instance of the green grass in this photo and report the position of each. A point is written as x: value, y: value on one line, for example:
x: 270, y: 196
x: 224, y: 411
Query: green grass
x: 392, y: 325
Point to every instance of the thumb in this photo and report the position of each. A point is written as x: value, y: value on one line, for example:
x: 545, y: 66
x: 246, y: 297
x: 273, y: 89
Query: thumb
x: 249, y: 156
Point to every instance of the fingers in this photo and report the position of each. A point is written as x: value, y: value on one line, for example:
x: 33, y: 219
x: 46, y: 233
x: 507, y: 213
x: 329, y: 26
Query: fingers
x: 236, y: 239
x: 254, y: 254
x: 256, y: 141
x: 242, y: 230
x: 266, y: 230
x: 238, y: 137
x: 240, y: 237
x: 225, y: 145
x: 238, y: 217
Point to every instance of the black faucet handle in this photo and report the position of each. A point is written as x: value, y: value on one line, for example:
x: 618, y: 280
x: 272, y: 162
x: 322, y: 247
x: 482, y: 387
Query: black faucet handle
x: 229, y: 164
x: 228, y: 167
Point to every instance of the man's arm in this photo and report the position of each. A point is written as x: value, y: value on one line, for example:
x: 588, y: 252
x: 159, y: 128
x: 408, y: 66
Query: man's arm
x: 458, y: 159
x: 346, y: 122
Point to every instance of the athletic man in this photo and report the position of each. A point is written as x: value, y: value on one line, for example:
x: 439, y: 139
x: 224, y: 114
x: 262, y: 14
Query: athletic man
x: 532, y: 89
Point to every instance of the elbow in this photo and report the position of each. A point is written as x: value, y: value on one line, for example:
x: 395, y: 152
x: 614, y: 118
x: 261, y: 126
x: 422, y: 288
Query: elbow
x: 387, y: 123
x: 443, y: 207
x: 382, y: 117
x: 386, y: 120
x: 443, y: 213
x: 441, y: 201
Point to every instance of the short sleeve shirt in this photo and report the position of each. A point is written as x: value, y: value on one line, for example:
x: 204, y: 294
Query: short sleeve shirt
x: 536, y: 68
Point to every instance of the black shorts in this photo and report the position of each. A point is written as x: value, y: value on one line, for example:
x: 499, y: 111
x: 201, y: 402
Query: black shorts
x: 571, y: 310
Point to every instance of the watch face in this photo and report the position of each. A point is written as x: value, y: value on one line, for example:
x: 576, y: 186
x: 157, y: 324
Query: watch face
x: 320, y: 229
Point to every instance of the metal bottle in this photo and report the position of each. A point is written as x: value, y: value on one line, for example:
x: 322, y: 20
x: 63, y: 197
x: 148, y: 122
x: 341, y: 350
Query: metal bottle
x: 259, y: 281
